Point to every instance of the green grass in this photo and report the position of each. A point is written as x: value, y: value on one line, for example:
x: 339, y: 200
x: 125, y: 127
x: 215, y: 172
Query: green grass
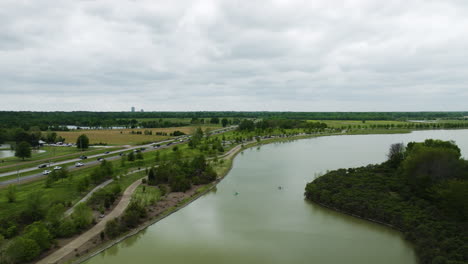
x: 72, y: 153
x: 147, y: 195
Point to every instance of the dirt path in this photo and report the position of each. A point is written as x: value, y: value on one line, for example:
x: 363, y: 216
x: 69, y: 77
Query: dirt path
x: 98, y: 228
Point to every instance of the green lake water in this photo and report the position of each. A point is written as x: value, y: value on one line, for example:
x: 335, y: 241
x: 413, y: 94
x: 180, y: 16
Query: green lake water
x: 263, y: 224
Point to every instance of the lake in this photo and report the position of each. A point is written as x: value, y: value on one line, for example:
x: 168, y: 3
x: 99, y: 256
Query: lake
x: 263, y: 224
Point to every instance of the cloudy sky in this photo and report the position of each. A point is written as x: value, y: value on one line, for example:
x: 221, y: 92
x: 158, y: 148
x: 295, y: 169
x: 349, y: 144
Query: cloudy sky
x: 284, y: 55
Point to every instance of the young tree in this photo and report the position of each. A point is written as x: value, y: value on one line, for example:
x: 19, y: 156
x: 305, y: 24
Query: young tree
x: 82, y: 142
x: 82, y: 216
x: 224, y: 122
x: 11, y: 193
x: 23, y: 150
x: 131, y: 156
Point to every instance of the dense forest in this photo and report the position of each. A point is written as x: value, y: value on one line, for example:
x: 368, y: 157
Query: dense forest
x: 45, y: 120
x: 422, y: 190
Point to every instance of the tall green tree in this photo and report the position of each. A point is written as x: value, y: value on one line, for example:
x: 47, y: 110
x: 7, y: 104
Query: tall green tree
x: 23, y: 150
x: 82, y: 142
x: 224, y: 122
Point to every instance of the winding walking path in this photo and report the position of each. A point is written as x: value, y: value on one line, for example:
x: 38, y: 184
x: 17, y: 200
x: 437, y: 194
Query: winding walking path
x: 56, y: 256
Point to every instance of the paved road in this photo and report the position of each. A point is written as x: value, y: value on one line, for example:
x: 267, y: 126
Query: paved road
x: 91, y: 160
x: 69, y: 248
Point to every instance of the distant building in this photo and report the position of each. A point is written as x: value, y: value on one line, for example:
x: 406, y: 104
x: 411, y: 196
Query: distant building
x: 133, y: 109
x: 142, y: 110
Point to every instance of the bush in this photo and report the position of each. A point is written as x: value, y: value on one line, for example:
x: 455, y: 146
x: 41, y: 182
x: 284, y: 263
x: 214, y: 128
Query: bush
x: 22, y: 250
x: 113, y: 228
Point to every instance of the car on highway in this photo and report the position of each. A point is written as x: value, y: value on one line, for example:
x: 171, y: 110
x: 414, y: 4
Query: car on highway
x: 57, y: 168
x: 107, y: 152
x: 46, y: 172
x: 121, y: 154
x: 79, y: 164
x: 142, y: 149
x: 42, y: 166
x: 83, y: 157
x: 100, y: 159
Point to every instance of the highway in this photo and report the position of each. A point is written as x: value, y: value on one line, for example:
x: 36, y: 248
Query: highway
x: 92, y: 160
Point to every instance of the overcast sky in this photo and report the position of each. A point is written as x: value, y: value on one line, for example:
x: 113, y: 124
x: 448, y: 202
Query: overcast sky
x: 321, y: 55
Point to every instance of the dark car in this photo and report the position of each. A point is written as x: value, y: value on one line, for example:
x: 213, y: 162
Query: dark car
x: 100, y: 159
x: 107, y: 152
x: 42, y: 166
x: 142, y: 148
x: 83, y: 157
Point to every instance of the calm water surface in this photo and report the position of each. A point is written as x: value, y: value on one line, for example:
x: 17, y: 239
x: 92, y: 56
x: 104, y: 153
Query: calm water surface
x: 266, y: 225
x: 11, y: 153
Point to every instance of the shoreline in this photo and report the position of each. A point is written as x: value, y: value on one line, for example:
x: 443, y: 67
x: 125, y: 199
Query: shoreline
x: 230, y: 156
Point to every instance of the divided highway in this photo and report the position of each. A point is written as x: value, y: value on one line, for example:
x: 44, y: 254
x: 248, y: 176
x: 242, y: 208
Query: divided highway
x: 92, y: 160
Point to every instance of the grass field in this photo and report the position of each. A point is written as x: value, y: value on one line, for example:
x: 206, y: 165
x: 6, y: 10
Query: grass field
x: 124, y: 136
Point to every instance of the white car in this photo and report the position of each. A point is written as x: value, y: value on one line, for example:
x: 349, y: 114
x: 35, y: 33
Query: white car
x: 46, y: 172
x: 78, y: 164
x: 57, y: 168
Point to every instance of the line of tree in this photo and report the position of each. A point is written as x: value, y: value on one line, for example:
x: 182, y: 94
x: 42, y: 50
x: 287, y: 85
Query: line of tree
x: 47, y: 120
x: 250, y: 125
x: 422, y: 190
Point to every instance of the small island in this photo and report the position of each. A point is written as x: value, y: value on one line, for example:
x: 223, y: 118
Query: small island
x: 421, y: 190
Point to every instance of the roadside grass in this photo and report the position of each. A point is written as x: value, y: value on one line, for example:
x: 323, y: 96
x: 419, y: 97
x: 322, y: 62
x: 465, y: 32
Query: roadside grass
x: 73, y: 154
x: 64, y: 191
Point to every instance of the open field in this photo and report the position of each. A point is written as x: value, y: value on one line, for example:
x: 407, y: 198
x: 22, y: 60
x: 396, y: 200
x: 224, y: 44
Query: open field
x: 125, y: 136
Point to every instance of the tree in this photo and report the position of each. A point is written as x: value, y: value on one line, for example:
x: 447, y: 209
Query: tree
x: 131, y: 156
x: 51, y: 137
x: 151, y: 177
x: 396, y: 154
x: 82, y: 216
x: 214, y: 120
x: 82, y: 142
x: 38, y: 232
x: 22, y: 250
x: 224, y: 122
x: 23, y: 150
x: 35, y: 207
x: 11, y: 193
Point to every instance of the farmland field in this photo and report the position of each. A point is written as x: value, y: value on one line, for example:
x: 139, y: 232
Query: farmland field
x: 124, y: 136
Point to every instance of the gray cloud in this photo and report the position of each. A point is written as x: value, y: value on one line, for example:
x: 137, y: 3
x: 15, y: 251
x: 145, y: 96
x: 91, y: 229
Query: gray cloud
x: 359, y: 55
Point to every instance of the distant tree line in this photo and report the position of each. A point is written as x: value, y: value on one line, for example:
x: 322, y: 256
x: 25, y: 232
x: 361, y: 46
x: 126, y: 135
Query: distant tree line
x: 49, y: 120
x: 422, y: 189
x: 250, y: 125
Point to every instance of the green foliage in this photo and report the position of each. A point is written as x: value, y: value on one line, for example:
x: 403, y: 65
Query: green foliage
x: 82, y: 216
x: 426, y: 165
x: 104, y: 197
x: 23, y: 150
x: 113, y: 228
x: 38, y: 232
x: 82, y: 142
x: 21, y: 250
x: 224, y: 122
x: 131, y: 156
x: 433, y: 218
x: 11, y: 193
x: 35, y: 207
